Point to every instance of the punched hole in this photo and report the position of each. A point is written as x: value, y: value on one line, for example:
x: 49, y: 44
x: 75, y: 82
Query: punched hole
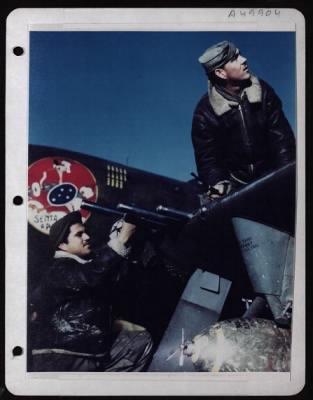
x: 18, y: 50
x: 18, y: 200
x: 17, y: 351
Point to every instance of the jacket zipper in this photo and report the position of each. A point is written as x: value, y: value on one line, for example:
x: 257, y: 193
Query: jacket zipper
x: 245, y: 131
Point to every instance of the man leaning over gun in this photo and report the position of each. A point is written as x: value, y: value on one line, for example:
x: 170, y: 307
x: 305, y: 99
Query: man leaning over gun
x: 75, y: 328
x: 239, y: 130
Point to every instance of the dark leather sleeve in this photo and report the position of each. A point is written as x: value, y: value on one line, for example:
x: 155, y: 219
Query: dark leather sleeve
x: 282, y: 139
x: 204, y: 134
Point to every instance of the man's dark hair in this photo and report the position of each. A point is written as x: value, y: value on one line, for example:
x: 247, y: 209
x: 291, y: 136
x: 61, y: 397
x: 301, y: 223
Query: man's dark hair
x: 65, y: 237
x: 60, y: 230
x: 215, y: 80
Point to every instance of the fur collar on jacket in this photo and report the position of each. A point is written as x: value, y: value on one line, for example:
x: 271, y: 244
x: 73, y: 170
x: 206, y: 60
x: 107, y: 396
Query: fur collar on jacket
x: 64, y: 254
x: 221, y: 105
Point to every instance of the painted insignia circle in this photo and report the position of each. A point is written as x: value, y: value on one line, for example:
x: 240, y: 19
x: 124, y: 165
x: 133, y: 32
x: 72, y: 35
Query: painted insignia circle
x: 56, y: 186
x: 62, y: 194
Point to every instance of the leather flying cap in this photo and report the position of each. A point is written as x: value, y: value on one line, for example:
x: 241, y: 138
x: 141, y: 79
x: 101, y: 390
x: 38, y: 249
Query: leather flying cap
x: 60, y: 229
x: 218, y: 55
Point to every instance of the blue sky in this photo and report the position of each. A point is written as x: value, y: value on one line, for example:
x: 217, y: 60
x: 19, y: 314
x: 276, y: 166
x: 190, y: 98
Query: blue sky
x: 129, y: 96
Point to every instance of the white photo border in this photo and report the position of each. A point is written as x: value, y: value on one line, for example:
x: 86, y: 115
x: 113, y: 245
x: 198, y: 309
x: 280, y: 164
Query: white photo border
x: 19, y: 24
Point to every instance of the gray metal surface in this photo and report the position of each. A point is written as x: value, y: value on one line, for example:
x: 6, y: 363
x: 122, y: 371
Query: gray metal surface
x: 198, y: 308
x: 203, y: 288
x: 288, y: 280
x: 266, y: 252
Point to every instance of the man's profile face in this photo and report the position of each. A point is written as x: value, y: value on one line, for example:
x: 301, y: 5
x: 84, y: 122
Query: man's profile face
x: 236, y: 69
x: 78, y: 241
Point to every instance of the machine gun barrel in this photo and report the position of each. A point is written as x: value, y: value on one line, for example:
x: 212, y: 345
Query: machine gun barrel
x: 131, y: 214
x: 146, y: 215
x: 181, y: 216
x: 252, y: 201
x: 236, y: 203
x: 91, y: 206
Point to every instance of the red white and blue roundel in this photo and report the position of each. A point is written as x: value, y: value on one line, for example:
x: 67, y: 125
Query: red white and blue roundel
x: 56, y: 187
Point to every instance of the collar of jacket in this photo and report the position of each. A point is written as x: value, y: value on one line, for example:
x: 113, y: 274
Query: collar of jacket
x: 221, y: 105
x: 64, y: 254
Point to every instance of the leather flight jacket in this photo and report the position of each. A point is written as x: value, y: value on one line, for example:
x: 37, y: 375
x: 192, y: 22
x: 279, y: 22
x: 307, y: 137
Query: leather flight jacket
x: 74, y: 304
x: 243, y: 139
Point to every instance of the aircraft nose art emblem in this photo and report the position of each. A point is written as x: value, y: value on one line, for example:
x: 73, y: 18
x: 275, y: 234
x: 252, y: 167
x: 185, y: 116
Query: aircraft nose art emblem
x: 62, y: 194
x: 56, y: 186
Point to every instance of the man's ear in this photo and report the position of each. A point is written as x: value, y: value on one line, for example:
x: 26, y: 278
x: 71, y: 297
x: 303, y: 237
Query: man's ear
x: 220, y: 73
x: 62, y: 246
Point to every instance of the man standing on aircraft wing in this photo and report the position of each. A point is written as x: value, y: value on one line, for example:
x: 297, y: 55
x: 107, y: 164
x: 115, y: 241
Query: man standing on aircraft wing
x: 239, y: 130
x: 75, y: 328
